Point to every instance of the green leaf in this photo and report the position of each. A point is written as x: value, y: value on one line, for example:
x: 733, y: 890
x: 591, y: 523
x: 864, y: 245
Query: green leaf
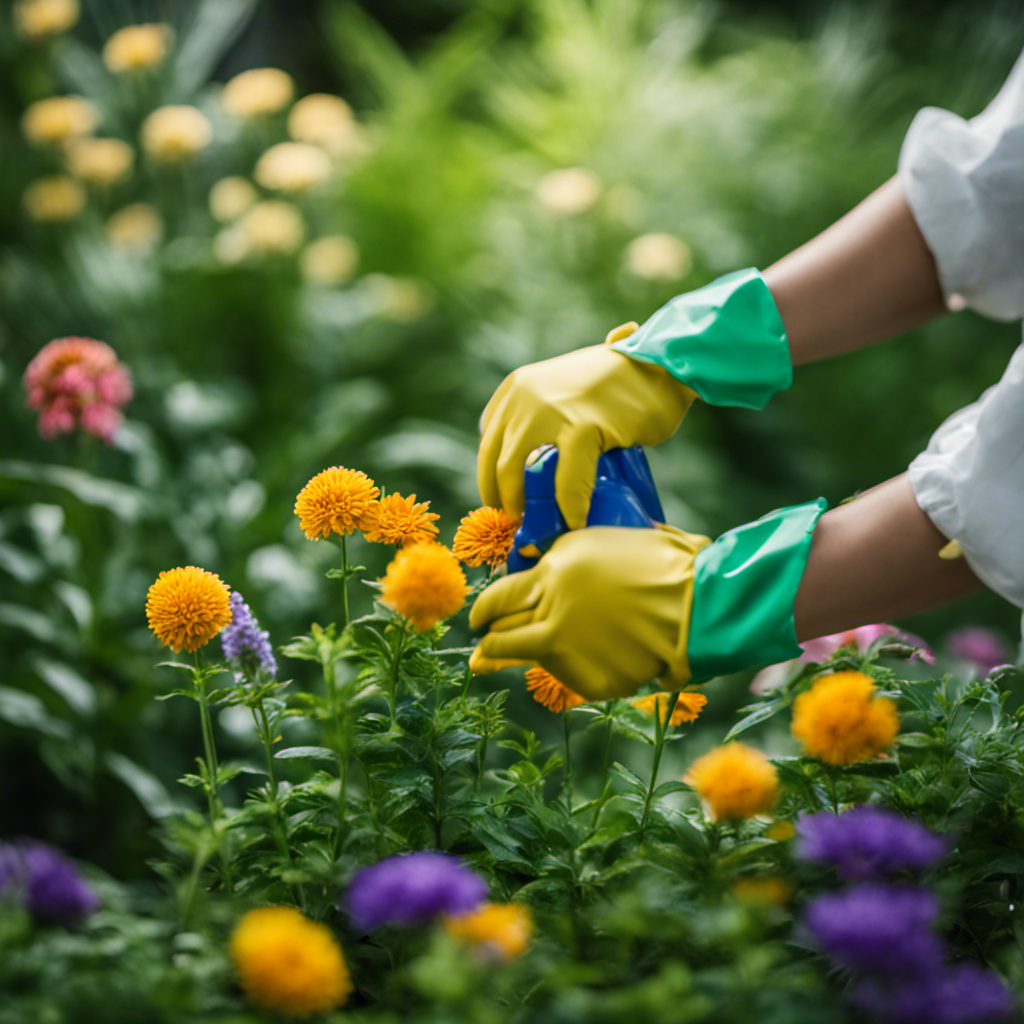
x: 27, y: 712
x: 123, y: 502
x: 632, y: 780
x: 214, y: 26
x: 761, y: 714
x: 65, y: 681
x: 148, y: 789
x: 311, y: 753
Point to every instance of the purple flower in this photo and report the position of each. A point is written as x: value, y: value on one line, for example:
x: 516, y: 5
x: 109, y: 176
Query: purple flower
x: 867, y: 843
x: 878, y: 929
x: 45, y: 882
x: 982, y: 649
x: 411, y: 888
x: 963, y: 993
x: 245, y: 645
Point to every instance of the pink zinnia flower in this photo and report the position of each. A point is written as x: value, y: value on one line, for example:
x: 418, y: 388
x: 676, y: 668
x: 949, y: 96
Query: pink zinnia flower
x: 77, y: 382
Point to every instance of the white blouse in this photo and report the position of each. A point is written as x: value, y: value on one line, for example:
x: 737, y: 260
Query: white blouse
x: 964, y: 181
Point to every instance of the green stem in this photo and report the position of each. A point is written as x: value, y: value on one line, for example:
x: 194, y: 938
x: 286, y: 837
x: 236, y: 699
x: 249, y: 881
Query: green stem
x: 568, y: 765
x: 210, y: 750
x: 604, y: 769
x: 399, y: 645
x: 344, y: 582
x: 481, y: 759
x: 660, y: 727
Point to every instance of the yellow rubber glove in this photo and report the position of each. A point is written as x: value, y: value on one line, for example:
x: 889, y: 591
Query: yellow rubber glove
x: 605, y: 610
x: 584, y: 402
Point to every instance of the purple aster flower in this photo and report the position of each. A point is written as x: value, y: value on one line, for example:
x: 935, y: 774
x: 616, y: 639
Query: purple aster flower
x: 878, y: 929
x: 245, y: 645
x: 982, y: 649
x: 963, y: 993
x: 45, y: 882
x: 868, y: 843
x: 411, y: 888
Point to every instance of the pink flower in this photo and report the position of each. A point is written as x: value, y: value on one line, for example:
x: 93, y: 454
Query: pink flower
x: 982, y: 649
x: 863, y: 638
x: 77, y: 382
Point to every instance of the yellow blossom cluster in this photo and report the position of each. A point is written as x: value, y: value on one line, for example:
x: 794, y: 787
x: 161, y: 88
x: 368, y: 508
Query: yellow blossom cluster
x: 187, y: 607
x: 174, y: 134
x: 687, y: 707
x: 735, y: 781
x: 485, y: 537
x: 499, y: 931
x: 59, y: 119
x: 40, y: 19
x: 100, y: 162
x: 424, y: 583
x: 54, y: 198
x: 137, y: 47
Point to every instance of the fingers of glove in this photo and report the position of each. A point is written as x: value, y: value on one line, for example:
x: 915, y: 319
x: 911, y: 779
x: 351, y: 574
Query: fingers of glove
x: 528, y: 643
x: 514, y: 594
x: 480, y: 664
x: 511, y: 465
x: 620, y: 332
x: 579, y: 448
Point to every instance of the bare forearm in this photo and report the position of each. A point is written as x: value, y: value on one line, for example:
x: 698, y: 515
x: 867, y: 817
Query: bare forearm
x: 869, y: 276
x: 875, y: 559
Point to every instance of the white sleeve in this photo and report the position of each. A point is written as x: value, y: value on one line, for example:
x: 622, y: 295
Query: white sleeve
x: 970, y: 482
x: 964, y: 181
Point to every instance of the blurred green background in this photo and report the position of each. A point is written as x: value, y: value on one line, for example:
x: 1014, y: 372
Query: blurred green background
x: 515, y: 167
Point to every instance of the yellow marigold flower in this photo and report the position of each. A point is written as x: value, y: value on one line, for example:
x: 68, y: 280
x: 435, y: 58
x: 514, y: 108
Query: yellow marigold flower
x: 292, y: 167
x: 40, y: 19
x: 100, y: 162
x: 231, y: 197
x: 58, y: 119
x: 781, y: 831
x: 257, y: 92
x: 550, y: 692
x: 326, y: 121
x: 137, y: 47
x: 499, y: 930
x: 687, y: 708
x: 329, y: 260
x: 54, y: 198
x: 288, y: 964
x: 773, y: 889
x: 425, y: 584
x: 840, y: 720
x: 398, y: 520
x: 336, y: 500
x: 736, y: 781
x: 176, y: 133
x: 187, y: 607
x: 272, y: 227
x: 485, y: 535
x: 136, y: 226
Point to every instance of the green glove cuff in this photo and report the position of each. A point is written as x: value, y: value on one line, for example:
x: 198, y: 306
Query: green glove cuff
x: 744, y: 589
x: 726, y: 341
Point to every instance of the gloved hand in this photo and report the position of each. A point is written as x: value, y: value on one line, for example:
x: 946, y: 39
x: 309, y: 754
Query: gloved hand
x: 608, y: 608
x: 724, y: 342
x: 585, y: 402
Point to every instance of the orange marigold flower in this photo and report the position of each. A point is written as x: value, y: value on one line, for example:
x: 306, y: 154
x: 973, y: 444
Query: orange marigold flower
x: 772, y: 889
x: 547, y: 690
x: 398, y: 520
x: 288, y: 964
x: 736, y: 781
x: 840, y: 719
x: 687, y: 708
x: 485, y: 535
x: 336, y: 500
x: 187, y: 607
x: 500, y: 930
x: 425, y: 583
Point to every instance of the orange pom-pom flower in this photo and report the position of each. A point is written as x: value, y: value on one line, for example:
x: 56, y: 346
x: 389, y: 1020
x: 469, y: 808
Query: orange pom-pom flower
x: 425, y: 583
x: 336, y: 500
x: 187, y: 607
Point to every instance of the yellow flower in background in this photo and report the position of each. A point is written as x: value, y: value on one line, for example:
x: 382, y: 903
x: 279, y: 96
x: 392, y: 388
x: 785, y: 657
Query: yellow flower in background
x: 59, y: 119
x: 840, y: 719
x: 288, y: 964
x: 425, y: 584
x: 54, y: 198
x: 137, y: 47
x: 688, y: 706
x: 569, y: 191
x: 136, y: 226
x: 551, y: 692
x: 401, y: 299
x: 40, y: 19
x: 187, y: 607
x: 176, y: 133
x: 326, y: 121
x: 781, y: 831
x: 329, y: 260
x: 485, y: 536
x: 257, y: 92
x: 658, y: 257
x: 736, y: 781
x: 336, y: 500
x: 100, y: 162
x: 398, y: 520
x: 498, y: 930
x: 272, y: 227
x: 231, y: 197
x: 772, y: 889
x: 292, y: 167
